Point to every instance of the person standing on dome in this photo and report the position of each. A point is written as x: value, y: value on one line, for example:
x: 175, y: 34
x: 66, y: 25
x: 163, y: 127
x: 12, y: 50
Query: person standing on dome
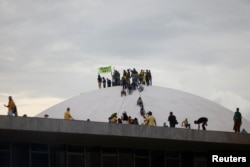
x: 237, y: 120
x: 11, y: 107
x: 108, y: 82
x: 67, y: 114
x: 99, y: 80
x: 172, y: 120
x: 150, y: 119
x: 103, y: 82
x: 202, y: 120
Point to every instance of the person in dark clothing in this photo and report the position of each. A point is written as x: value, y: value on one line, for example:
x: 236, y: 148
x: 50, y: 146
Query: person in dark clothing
x: 142, y: 111
x: 109, y: 82
x: 202, y: 120
x: 99, y: 80
x: 148, y: 78
x: 103, y: 82
x: 130, y: 89
x: 139, y: 102
x: 119, y: 120
x: 237, y: 120
x: 124, y: 83
x: 136, y: 121
x: 172, y: 120
x: 124, y: 118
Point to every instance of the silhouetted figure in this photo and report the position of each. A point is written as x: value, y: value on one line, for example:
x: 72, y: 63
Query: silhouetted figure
x: 103, y: 82
x: 116, y: 78
x: 130, y: 89
x: 203, y: 121
x: 136, y: 121
x: 99, y: 80
x: 119, y: 120
x: 124, y: 82
x: 124, y: 118
x: 148, y: 78
x: 172, y: 120
x: 139, y: 102
x: 109, y: 82
x: 237, y: 120
x: 12, y: 109
x: 142, y: 111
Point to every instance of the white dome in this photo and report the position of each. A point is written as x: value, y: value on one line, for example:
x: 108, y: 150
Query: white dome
x: 100, y: 104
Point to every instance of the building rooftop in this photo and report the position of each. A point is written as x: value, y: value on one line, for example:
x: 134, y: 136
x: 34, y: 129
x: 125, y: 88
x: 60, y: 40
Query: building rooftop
x: 47, y: 130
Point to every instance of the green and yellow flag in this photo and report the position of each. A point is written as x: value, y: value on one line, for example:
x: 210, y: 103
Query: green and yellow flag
x: 104, y: 69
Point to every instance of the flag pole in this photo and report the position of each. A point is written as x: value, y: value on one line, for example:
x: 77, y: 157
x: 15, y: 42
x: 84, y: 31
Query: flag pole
x: 111, y: 77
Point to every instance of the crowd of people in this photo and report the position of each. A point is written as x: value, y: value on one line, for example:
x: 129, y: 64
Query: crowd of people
x: 130, y: 81
x: 149, y: 119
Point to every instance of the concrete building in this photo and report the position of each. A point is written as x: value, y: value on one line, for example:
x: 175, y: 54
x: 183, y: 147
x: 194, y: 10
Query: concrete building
x: 56, y: 142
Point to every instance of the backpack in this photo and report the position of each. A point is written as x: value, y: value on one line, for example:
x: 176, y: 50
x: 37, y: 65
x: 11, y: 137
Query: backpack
x: 237, y: 116
x: 14, y: 110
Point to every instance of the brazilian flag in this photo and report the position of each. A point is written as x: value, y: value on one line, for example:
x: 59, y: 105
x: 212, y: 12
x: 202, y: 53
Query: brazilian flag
x: 104, y: 69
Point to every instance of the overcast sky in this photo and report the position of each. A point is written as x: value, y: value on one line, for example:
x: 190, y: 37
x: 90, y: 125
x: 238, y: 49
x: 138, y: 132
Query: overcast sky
x: 50, y: 50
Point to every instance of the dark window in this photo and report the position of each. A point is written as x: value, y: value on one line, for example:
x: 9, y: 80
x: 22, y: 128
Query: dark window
x: 126, y: 158
x: 187, y: 159
x: 39, y: 147
x: 109, y: 157
x: 157, y: 159
x: 75, y: 148
x: 143, y: 153
x: 39, y: 155
x: 4, y: 146
x: 58, y: 156
x: 172, y: 159
x: 20, y: 155
x: 109, y: 161
x: 4, y: 159
x: 141, y: 162
x: 200, y: 159
x: 39, y: 160
x: 109, y: 151
x: 142, y: 158
x: 200, y: 163
x: 93, y: 157
x: 172, y: 163
x: 76, y: 160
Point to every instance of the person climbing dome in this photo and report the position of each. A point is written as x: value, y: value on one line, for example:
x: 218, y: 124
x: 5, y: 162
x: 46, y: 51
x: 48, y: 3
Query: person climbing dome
x: 139, y: 102
x: 203, y: 121
x: 113, y: 118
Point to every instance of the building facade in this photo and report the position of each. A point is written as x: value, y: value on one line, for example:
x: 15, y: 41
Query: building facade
x: 35, y: 142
